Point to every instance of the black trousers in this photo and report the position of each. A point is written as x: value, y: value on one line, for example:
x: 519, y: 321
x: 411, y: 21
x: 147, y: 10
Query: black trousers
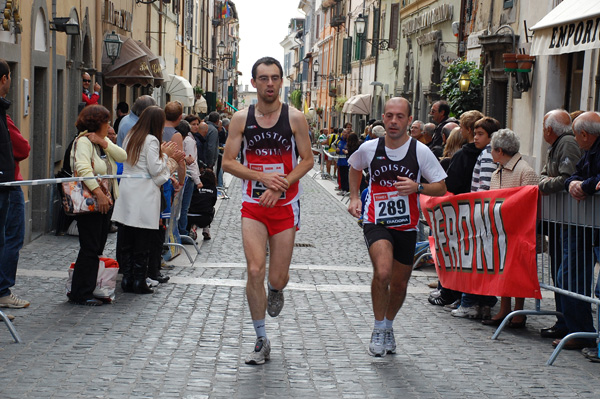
x: 135, y: 244
x: 93, y: 232
x: 156, y: 241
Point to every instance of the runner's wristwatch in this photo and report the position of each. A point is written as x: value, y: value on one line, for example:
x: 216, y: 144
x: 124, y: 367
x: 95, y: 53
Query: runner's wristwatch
x: 420, y: 188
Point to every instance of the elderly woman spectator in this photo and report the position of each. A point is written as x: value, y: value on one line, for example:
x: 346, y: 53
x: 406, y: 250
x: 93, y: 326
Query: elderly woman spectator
x: 513, y: 171
x: 93, y: 154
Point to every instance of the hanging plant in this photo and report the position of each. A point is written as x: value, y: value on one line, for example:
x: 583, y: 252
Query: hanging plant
x: 319, y: 111
x: 296, y: 98
x: 339, y: 103
x: 198, y: 91
x: 461, y: 101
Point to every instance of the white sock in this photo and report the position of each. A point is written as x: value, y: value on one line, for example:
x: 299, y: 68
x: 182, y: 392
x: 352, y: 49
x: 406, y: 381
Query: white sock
x: 259, y: 328
x: 380, y: 324
x: 388, y: 323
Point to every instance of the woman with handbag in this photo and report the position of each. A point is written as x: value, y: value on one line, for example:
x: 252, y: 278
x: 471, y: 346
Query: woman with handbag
x: 93, y: 154
x: 138, y: 207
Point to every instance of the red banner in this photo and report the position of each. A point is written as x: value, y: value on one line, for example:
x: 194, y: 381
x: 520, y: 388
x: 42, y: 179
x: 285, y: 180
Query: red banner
x: 484, y: 242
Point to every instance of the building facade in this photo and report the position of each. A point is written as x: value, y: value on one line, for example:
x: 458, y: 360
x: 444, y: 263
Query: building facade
x: 168, y: 42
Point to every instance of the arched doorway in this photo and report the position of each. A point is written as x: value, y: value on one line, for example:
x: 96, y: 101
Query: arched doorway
x: 40, y: 128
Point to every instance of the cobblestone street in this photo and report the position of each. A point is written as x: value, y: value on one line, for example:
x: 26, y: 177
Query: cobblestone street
x: 189, y: 339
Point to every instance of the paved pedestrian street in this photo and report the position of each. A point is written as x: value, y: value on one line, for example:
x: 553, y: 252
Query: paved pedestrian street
x: 189, y: 339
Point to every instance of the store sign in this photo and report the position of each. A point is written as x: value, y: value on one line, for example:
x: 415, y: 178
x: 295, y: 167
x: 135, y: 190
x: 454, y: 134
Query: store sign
x: 119, y: 18
x: 447, y: 58
x: 568, y: 37
x: 429, y: 38
x: 427, y: 19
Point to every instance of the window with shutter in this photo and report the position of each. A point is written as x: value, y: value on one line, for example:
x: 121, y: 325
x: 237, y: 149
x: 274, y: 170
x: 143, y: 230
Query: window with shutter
x: 376, y: 25
x: 394, y: 14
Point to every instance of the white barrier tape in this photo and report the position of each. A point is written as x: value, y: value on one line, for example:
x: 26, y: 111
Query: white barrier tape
x: 67, y: 179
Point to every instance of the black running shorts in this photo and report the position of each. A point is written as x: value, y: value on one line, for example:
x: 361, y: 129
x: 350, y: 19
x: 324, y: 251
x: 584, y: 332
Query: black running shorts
x: 404, y: 242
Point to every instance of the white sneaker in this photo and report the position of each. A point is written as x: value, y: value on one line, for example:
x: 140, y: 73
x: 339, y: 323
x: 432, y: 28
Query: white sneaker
x: 12, y: 301
x: 471, y: 312
x: 377, y: 344
x: 261, y: 352
x: 151, y: 283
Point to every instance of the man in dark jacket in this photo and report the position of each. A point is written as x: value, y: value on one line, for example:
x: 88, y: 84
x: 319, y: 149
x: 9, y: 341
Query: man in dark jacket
x: 440, y: 114
x: 7, y: 173
x: 563, y: 155
x: 576, y: 271
x: 212, y: 139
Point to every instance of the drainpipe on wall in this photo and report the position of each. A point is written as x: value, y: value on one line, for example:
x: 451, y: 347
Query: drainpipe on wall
x: 99, y: 40
x: 50, y: 221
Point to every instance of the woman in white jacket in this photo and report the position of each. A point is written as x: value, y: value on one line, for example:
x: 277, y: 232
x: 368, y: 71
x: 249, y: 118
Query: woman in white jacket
x: 138, y: 207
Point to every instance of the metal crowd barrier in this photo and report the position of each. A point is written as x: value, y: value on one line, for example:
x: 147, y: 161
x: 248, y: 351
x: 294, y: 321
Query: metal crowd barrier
x: 323, y: 155
x: 576, y: 224
x: 3, y: 316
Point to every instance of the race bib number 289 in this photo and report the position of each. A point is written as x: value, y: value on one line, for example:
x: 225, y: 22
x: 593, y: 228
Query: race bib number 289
x: 257, y: 187
x: 391, y: 209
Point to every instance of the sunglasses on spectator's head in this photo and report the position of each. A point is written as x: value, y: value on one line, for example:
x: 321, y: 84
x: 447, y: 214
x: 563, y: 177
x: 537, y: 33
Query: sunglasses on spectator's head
x: 87, y: 80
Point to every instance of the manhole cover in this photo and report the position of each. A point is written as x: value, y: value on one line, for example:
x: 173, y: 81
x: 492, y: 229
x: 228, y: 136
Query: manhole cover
x: 303, y: 245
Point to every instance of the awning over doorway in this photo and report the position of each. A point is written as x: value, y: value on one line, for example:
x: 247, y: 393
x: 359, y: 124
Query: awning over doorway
x: 179, y: 89
x: 131, y: 68
x: 573, y: 25
x: 154, y: 62
x: 359, y: 104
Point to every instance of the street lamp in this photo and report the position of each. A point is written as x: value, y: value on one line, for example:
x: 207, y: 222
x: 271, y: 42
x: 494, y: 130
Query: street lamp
x: 464, y: 82
x: 221, y: 49
x: 360, y: 23
x: 67, y: 25
x: 113, y: 43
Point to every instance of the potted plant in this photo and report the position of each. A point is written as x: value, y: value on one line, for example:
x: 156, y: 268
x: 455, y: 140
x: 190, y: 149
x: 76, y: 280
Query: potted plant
x: 525, y: 62
x: 198, y: 91
x: 510, y: 61
x: 339, y: 103
x: 319, y: 111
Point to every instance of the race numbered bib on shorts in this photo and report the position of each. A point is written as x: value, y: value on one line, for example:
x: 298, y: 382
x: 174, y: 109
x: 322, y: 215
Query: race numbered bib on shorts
x: 391, y: 209
x: 257, y: 187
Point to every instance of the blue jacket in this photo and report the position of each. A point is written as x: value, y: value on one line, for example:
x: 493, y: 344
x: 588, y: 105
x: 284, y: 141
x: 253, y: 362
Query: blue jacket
x: 341, y: 145
x: 587, y: 170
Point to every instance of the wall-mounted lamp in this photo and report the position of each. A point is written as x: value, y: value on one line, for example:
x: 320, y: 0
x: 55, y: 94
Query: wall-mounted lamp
x: 67, y: 25
x: 464, y: 82
x: 316, y: 68
x: 360, y: 23
x: 113, y: 43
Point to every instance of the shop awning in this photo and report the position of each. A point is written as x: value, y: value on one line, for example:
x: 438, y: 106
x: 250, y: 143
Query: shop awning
x: 131, y: 68
x: 359, y: 104
x: 573, y: 25
x: 179, y: 89
x: 154, y: 62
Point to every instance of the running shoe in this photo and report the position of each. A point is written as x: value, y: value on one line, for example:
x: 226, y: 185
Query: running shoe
x: 274, y: 302
x: 261, y: 352
x: 389, y: 341
x: 377, y: 344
